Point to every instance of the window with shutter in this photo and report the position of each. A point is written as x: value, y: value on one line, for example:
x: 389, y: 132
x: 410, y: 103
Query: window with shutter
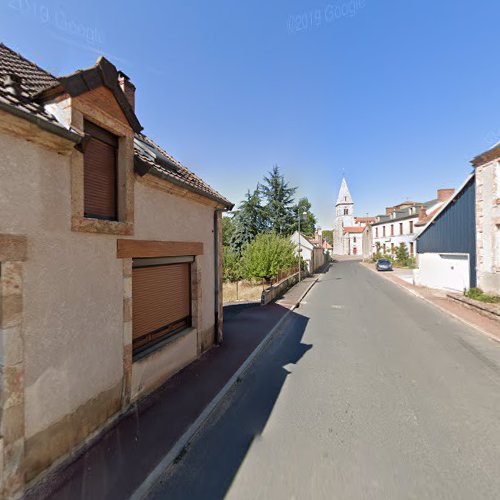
x: 100, y: 173
x: 161, y: 300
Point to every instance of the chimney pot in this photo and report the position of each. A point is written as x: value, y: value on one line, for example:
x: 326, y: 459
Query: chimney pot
x: 445, y: 194
x: 128, y: 88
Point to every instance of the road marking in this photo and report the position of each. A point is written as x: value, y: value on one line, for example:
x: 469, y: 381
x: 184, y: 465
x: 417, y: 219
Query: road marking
x: 337, y: 307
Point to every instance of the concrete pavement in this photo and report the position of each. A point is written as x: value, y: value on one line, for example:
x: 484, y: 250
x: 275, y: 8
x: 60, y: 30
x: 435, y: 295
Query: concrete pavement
x: 367, y: 393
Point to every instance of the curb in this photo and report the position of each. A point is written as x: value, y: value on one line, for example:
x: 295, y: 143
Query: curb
x: 442, y: 309
x: 193, y: 429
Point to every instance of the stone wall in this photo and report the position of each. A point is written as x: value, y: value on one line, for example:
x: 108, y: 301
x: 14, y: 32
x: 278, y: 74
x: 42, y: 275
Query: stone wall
x: 487, y: 226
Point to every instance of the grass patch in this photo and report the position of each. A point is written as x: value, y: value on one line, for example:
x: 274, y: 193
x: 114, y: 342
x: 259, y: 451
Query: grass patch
x: 478, y: 294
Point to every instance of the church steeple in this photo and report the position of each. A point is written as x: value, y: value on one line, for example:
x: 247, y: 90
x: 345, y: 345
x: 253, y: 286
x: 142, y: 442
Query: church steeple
x: 344, y: 194
x: 345, y: 205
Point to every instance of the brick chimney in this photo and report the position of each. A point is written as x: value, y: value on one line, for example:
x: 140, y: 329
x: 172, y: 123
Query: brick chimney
x: 128, y: 88
x: 422, y: 214
x: 389, y: 210
x: 445, y: 194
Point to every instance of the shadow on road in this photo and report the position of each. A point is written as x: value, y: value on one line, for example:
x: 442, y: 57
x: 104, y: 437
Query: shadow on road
x: 211, y: 463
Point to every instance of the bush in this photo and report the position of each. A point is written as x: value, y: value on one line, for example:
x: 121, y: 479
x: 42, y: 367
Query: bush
x: 267, y: 255
x: 231, y: 265
x: 478, y: 294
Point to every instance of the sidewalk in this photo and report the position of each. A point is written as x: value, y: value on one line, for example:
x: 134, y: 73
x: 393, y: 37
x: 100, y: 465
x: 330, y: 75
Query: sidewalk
x: 439, y: 299
x: 118, y: 463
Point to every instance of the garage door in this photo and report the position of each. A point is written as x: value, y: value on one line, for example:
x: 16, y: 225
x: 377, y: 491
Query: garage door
x: 445, y: 271
x: 161, y: 299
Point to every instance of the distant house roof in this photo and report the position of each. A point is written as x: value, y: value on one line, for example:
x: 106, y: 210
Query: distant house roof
x: 405, y: 213
x: 354, y: 229
x: 365, y: 220
x: 307, y: 240
x: 23, y: 85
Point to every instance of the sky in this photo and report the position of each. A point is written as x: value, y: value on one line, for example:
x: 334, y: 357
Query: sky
x: 397, y: 95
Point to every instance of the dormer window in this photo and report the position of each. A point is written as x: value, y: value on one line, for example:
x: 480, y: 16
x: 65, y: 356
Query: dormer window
x: 100, y: 174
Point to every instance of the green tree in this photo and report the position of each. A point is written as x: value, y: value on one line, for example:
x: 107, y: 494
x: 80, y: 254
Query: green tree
x: 227, y: 230
x: 268, y: 254
x: 248, y: 220
x: 378, y: 251
x: 402, y: 254
x: 231, y: 264
x: 278, y: 195
x: 307, y: 221
x: 328, y: 235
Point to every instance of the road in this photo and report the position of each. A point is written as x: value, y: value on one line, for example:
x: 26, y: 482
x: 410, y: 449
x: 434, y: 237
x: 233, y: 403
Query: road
x: 367, y: 393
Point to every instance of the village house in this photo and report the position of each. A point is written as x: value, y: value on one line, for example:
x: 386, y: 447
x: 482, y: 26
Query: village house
x: 487, y: 168
x: 311, y: 250
x: 110, y: 260
x: 402, y: 223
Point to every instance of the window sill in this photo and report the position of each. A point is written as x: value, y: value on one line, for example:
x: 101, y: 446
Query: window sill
x: 88, y: 225
x: 162, y: 344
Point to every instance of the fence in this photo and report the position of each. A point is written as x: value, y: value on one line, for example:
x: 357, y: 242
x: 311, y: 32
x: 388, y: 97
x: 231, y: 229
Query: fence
x: 285, y: 273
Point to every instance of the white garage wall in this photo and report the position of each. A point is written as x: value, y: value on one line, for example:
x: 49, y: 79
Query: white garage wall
x: 443, y: 271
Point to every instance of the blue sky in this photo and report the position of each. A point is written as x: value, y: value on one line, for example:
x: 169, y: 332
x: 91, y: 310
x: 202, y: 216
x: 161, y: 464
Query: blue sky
x: 399, y: 95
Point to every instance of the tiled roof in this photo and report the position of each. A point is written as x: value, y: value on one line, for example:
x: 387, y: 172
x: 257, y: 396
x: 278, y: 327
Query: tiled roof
x: 22, y: 103
x: 365, y: 220
x: 405, y: 213
x: 354, y: 229
x: 178, y: 173
x: 34, y: 79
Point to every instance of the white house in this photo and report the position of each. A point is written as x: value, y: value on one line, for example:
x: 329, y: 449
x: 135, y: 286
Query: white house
x: 402, y: 223
x: 311, y: 251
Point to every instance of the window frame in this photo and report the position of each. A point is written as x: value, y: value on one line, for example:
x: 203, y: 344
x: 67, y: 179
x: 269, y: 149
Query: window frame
x: 143, y: 350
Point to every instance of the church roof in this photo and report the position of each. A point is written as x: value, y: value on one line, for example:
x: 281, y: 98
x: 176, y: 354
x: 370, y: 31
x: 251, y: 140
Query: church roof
x: 344, y: 194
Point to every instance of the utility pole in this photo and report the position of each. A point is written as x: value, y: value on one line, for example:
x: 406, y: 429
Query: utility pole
x: 299, y: 216
x: 300, y: 249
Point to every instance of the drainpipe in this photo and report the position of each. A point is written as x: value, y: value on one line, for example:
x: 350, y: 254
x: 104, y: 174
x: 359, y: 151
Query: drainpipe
x: 218, y: 317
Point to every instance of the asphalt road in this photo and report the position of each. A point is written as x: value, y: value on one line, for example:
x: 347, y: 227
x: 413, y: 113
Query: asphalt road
x: 368, y: 392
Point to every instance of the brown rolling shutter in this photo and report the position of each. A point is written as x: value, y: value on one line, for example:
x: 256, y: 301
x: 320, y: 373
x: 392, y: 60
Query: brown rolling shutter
x: 100, y: 200
x: 161, y: 302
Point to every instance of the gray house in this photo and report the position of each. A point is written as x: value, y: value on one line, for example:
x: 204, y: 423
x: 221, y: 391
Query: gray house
x: 446, y: 247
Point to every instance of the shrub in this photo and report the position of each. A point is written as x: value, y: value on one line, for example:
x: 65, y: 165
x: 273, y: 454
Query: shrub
x: 267, y: 255
x: 478, y: 294
x: 231, y: 265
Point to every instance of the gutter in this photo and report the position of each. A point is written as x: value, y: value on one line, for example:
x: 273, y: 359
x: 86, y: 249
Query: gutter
x: 43, y: 124
x: 218, y: 319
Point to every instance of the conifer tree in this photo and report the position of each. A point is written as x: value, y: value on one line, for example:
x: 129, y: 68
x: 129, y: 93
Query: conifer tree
x: 278, y: 195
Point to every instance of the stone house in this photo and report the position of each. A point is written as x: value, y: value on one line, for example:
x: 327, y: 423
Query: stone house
x: 110, y: 256
x: 487, y: 168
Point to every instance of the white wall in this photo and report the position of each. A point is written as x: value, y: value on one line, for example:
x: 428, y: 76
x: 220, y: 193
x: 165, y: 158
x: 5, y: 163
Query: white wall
x: 443, y: 271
